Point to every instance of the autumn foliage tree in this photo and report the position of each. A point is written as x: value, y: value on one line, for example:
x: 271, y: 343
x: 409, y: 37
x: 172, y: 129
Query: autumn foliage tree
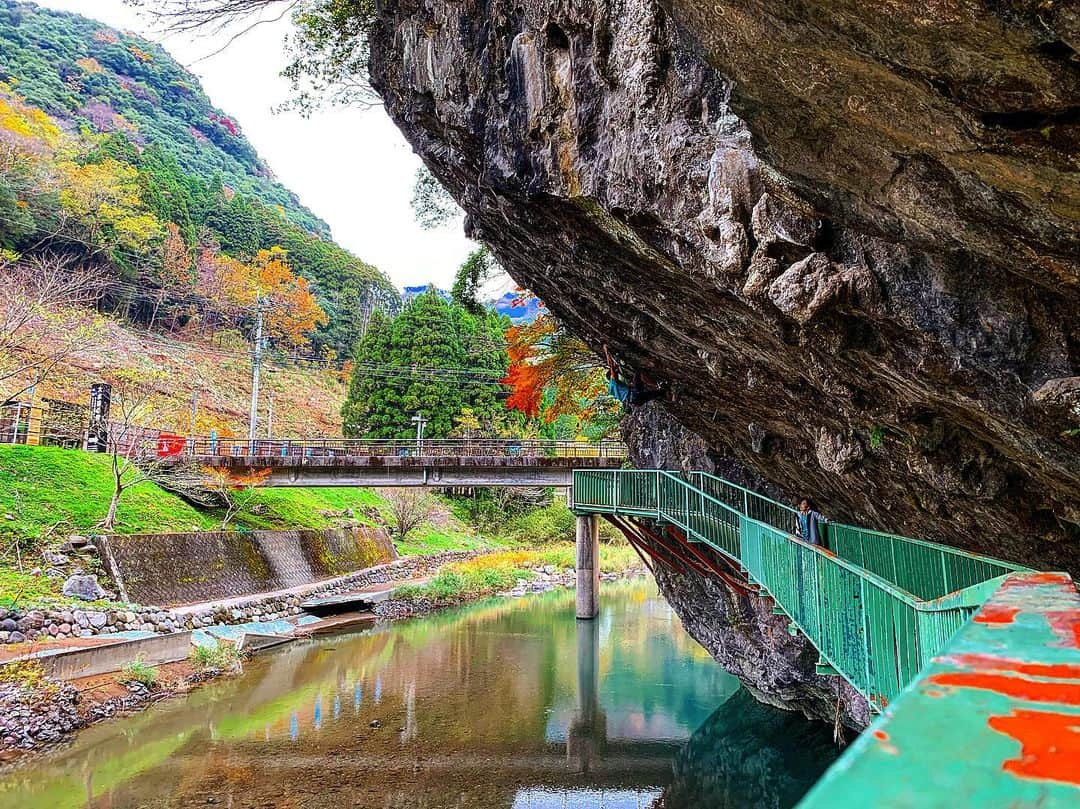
x: 553, y: 375
x: 174, y: 275
x: 234, y: 492
x: 287, y: 301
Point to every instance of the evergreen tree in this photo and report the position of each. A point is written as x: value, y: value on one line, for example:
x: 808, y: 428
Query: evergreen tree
x: 371, y: 399
x: 400, y: 370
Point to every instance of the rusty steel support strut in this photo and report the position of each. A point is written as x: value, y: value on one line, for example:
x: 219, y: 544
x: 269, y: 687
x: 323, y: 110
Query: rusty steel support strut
x: 632, y: 533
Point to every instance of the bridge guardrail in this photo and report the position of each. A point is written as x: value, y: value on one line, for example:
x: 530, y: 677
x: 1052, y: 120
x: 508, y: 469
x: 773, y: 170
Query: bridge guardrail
x: 925, y: 569
x: 869, y: 628
x: 367, y: 447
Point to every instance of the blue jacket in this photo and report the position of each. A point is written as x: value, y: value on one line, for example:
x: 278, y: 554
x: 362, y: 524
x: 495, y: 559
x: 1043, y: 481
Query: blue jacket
x: 619, y: 390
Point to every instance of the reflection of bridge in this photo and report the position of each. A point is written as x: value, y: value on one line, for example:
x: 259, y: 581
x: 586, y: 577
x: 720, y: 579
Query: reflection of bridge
x: 392, y: 462
x: 973, y: 662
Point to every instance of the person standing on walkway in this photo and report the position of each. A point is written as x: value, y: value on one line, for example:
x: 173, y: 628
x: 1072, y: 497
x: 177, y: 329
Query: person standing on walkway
x: 809, y: 523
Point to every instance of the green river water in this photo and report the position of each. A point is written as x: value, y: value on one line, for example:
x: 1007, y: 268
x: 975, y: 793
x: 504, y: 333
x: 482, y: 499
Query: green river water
x: 507, y: 703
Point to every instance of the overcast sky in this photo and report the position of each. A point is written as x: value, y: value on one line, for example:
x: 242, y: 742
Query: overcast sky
x: 351, y: 167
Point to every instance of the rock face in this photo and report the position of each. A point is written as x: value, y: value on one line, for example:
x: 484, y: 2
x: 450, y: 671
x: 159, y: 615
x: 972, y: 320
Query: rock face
x: 898, y: 338
x: 848, y: 239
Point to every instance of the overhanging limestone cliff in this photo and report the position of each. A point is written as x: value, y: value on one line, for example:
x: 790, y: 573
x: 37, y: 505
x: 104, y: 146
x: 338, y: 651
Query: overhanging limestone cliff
x: 849, y: 238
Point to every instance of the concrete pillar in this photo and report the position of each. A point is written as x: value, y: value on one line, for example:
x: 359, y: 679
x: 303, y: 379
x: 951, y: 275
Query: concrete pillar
x: 588, y: 566
x: 587, y: 736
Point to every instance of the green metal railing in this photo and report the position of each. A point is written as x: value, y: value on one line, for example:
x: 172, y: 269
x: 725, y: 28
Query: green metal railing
x: 922, y: 568
x: 877, y: 607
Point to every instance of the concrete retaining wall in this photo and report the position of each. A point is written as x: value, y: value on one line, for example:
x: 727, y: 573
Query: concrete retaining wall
x: 94, y: 660
x: 171, y: 569
x: 83, y: 621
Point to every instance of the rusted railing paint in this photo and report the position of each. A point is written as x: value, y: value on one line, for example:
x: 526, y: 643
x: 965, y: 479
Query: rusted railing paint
x: 993, y: 720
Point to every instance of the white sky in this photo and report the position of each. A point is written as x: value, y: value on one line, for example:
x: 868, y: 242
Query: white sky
x: 351, y: 167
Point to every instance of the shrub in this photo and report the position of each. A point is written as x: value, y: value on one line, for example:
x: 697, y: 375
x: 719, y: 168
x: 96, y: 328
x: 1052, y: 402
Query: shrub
x: 485, y: 575
x: 554, y: 523
x: 219, y: 657
x: 139, y: 671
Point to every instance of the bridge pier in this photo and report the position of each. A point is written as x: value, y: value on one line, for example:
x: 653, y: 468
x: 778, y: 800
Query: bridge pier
x: 587, y: 562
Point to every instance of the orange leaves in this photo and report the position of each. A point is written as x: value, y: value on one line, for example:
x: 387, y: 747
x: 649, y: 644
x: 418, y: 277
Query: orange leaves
x: 90, y: 65
x: 293, y: 311
x: 288, y: 303
x: 527, y: 389
x: 525, y: 377
x: 175, y: 259
x: 140, y: 54
x: 545, y: 360
x: 219, y: 479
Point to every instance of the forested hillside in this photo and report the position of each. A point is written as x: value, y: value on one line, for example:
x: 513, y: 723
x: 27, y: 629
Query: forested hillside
x: 113, y: 158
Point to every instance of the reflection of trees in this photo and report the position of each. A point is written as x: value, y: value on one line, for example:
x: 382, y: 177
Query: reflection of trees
x: 470, y: 704
x: 748, y: 754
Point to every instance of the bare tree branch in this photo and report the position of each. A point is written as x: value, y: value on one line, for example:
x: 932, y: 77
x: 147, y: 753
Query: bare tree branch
x: 409, y: 508
x: 213, y: 16
x: 46, y: 317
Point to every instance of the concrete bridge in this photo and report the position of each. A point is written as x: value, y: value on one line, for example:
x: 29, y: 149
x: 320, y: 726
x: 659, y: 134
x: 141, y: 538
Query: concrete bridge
x: 474, y: 462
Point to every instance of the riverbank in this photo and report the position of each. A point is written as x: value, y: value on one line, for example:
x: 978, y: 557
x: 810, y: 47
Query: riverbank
x: 511, y: 574
x: 500, y: 702
x: 38, y: 714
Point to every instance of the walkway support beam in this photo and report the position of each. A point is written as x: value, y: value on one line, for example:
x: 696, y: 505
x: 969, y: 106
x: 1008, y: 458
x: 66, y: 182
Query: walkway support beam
x: 587, y: 559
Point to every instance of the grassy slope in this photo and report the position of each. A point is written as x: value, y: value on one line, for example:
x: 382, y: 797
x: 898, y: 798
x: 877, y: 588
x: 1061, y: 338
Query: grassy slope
x: 50, y: 493
x: 45, y: 486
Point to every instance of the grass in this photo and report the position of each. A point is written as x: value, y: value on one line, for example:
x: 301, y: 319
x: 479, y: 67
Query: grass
x: 25, y: 674
x: 497, y: 572
x: 48, y: 493
x: 219, y: 657
x: 306, y: 508
x: 44, y: 486
x: 554, y: 523
x: 17, y: 587
x: 615, y: 557
x: 41, y: 487
x: 430, y: 539
x: 139, y: 671
x: 473, y: 578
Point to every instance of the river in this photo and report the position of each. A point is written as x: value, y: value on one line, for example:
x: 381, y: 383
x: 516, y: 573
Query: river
x: 505, y: 703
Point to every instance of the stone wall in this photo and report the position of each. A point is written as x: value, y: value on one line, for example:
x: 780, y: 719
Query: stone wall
x: 84, y: 621
x: 172, y: 569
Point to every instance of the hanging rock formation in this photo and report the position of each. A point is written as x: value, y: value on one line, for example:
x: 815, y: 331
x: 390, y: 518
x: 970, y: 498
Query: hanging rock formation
x: 846, y: 232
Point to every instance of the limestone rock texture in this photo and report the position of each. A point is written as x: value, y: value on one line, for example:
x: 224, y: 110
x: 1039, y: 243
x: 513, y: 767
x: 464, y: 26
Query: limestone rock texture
x: 846, y: 232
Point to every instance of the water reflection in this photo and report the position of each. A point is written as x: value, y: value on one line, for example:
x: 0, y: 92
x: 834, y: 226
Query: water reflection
x: 503, y: 704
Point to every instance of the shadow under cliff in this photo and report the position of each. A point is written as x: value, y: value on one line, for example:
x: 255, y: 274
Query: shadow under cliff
x: 747, y: 754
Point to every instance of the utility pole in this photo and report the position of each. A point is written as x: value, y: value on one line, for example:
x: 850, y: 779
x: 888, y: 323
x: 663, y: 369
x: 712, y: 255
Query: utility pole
x: 270, y: 415
x: 420, y: 423
x: 256, y: 361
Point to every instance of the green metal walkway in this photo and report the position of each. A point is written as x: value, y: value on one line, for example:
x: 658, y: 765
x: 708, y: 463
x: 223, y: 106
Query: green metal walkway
x: 885, y: 613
